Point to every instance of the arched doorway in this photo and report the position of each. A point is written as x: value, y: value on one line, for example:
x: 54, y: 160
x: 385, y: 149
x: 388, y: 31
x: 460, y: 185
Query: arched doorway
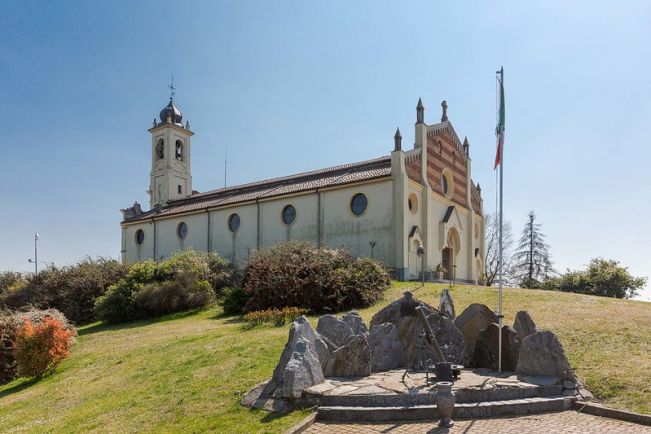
x: 450, y: 253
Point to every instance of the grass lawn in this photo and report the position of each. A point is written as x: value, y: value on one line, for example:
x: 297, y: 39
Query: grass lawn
x: 187, y: 372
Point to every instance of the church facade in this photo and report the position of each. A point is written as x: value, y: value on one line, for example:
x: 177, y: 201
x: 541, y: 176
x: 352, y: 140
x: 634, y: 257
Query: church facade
x: 412, y: 209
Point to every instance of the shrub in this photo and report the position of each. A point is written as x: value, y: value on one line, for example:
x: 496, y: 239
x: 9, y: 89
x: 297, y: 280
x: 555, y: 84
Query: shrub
x: 233, y: 300
x: 183, y: 293
x: 152, y: 289
x: 42, y: 346
x: 302, y: 275
x: 603, y: 278
x: 277, y: 317
x: 11, y: 325
x: 71, y: 289
x: 118, y: 303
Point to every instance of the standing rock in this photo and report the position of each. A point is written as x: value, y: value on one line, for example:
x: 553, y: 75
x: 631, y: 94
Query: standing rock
x: 355, y: 322
x: 302, y: 371
x: 386, y: 349
x: 542, y: 354
x: 351, y: 360
x: 524, y: 325
x: 486, y: 348
x: 402, y: 314
x: 473, y: 320
x: 449, y: 338
x: 334, y: 330
x: 301, y: 327
x: 446, y: 305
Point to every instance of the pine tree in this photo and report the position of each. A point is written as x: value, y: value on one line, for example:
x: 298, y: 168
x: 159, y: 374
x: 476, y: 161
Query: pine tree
x: 531, y: 261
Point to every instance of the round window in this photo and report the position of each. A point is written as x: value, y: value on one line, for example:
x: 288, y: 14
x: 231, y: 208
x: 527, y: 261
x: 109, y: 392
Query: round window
x: 140, y: 236
x: 182, y: 230
x: 289, y: 214
x: 358, y: 204
x: 444, y: 184
x: 234, y: 222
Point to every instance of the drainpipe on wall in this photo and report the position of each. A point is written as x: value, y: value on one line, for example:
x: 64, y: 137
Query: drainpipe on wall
x: 154, y: 246
x: 318, y: 218
x: 257, y: 203
x: 209, y: 242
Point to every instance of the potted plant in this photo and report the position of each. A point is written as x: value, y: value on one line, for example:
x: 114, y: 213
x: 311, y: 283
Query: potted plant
x: 439, y: 270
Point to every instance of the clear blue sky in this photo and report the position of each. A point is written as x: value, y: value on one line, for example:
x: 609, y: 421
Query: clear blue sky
x: 294, y: 85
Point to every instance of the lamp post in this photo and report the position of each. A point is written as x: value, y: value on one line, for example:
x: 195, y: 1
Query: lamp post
x: 421, y: 253
x: 35, y: 261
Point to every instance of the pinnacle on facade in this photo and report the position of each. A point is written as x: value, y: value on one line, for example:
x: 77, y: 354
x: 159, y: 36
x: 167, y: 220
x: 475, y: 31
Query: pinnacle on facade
x: 466, y: 145
x: 420, y: 112
x: 397, y: 140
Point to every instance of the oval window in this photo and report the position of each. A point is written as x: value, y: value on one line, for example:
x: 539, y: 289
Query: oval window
x: 140, y: 236
x: 234, y: 222
x: 444, y: 184
x: 358, y: 204
x: 289, y: 214
x: 182, y: 230
x: 412, y: 202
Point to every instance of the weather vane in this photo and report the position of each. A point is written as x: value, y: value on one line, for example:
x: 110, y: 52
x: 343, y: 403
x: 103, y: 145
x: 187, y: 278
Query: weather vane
x: 172, y: 89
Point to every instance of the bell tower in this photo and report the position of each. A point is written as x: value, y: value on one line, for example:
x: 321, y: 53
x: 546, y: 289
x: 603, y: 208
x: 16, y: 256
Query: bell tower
x: 171, y: 176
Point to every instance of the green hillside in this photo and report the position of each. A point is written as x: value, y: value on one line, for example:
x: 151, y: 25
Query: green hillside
x: 187, y: 373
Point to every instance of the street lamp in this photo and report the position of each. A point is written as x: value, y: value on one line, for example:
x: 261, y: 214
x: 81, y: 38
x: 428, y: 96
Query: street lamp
x: 421, y: 252
x: 35, y: 260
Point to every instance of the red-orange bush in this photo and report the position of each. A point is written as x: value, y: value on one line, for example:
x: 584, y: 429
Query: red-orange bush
x: 40, y: 347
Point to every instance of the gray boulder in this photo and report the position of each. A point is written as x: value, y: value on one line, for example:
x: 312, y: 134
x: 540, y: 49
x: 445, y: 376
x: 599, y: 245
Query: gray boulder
x: 524, y: 325
x: 302, y: 371
x: 301, y: 327
x: 542, y: 354
x: 446, y: 304
x: 386, y: 349
x: 402, y: 315
x: 337, y: 332
x: 487, y: 344
x: 351, y: 360
x: 449, y: 338
x: 355, y: 322
x: 472, y: 321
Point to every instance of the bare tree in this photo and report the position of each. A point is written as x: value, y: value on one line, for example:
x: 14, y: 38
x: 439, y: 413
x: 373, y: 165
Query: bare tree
x: 492, y: 259
x: 531, y: 260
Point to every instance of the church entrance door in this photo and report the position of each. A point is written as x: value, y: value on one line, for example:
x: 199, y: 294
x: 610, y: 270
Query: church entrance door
x: 446, y: 262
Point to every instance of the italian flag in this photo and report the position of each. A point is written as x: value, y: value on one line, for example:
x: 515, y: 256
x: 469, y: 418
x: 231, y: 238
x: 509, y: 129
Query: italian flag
x: 499, y: 130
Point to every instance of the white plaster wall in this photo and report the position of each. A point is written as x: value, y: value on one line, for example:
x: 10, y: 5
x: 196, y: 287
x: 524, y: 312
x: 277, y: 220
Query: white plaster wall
x: 342, y: 227
x: 139, y: 252
x: 304, y: 228
x: 168, y: 241
x: 235, y: 246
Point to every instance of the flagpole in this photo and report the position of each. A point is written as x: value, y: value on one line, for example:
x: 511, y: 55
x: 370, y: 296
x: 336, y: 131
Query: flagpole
x: 501, y: 270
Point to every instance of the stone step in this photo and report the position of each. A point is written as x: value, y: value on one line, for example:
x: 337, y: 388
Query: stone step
x: 513, y: 407
x: 417, y: 399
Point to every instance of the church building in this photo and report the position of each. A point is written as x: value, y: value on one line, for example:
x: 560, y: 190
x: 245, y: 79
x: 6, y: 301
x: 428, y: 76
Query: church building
x: 412, y: 209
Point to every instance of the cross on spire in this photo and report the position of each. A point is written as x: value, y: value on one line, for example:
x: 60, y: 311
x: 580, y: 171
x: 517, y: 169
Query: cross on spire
x: 444, y: 107
x: 172, y: 89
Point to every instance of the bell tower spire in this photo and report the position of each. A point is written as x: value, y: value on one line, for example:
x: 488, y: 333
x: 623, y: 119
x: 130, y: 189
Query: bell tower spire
x: 170, y: 177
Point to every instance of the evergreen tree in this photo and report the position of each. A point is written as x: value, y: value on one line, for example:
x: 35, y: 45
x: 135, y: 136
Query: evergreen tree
x: 531, y: 261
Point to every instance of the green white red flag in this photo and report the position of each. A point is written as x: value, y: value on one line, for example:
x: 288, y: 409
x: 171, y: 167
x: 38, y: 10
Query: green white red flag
x: 499, y: 130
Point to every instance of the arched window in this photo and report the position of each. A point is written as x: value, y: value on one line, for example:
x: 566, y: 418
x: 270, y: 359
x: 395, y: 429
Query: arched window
x: 179, y: 150
x: 358, y: 204
x: 160, y: 149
